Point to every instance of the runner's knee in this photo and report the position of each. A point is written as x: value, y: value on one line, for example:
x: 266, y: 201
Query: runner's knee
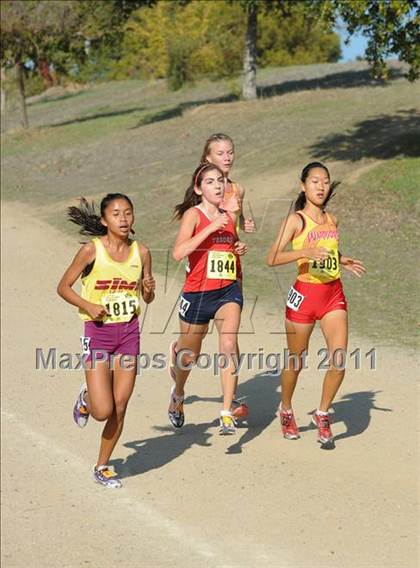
x: 228, y: 345
x: 101, y: 413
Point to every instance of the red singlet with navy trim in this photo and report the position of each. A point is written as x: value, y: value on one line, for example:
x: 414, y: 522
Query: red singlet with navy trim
x: 214, y: 264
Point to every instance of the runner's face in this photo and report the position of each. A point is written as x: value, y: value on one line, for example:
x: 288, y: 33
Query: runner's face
x: 119, y: 217
x: 317, y: 186
x: 221, y: 154
x: 212, y: 187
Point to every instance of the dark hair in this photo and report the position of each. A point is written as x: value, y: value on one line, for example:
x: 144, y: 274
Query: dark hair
x: 301, y: 198
x: 219, y: 137
x: 86, y: 217
x: 191, y: 198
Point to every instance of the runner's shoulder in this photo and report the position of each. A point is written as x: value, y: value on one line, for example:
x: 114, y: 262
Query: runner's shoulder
x: 333, y: 218
x: 295, y: 220
x: 88, y: 251
x: 240, y: 188
x: 191, y: 214
x: 143, y: 249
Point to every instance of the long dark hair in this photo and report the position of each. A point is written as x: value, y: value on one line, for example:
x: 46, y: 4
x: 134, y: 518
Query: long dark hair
x: 191, y: 198
x: 86, y: 217
x: 301, y: 198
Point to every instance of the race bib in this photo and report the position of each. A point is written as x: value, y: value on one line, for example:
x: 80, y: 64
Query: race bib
x: 85, y: 341
x: 183, y: 306
x: 121, y: 306
x: 221, y: 265
x: 327, y: 269
x: 294, y: 299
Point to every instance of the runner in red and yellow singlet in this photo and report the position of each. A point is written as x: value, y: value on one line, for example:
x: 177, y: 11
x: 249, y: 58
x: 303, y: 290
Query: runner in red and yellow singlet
x: 316, y: 295
x: 219, y: 149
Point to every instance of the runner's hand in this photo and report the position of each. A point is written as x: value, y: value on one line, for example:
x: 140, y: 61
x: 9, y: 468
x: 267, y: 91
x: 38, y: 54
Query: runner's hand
x: 249, y: 225
x: 320, y: 253
x: 220, y: 222
x: 240, y: 248
x: 352, y: 265
x: 96, y: 311
x: 148, y: 284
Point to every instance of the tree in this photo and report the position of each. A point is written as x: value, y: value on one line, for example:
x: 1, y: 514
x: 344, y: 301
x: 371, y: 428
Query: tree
x: 252, y: 9
x: 183, y: 42
x: 33, y: 30
x: 104, y: 29
x: 392, y: 27
x: 249, y: 86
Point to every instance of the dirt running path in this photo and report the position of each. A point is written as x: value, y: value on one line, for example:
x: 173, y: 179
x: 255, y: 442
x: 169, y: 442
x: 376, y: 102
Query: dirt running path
x: 192, y: 498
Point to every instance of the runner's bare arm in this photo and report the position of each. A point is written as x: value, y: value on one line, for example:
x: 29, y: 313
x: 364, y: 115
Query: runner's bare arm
x: 247, y: 225
x: 185, y: 243
x: 148, y: 283
x: 84, y: 257
x: 288, y: 229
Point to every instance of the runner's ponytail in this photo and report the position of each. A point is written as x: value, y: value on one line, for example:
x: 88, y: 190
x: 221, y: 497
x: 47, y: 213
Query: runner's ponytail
x: 86, y: 217
x: 301, y: 198
x: 191, y: 198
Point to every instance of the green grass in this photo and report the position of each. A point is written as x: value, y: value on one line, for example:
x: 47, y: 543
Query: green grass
x: 380, y: 224
x: 139, y: 138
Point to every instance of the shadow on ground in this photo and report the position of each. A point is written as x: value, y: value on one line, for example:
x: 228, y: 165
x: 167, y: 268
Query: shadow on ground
x: 354, y: 410
x: 261, y: 394
x: 343, y: 79
x: 382, y: 137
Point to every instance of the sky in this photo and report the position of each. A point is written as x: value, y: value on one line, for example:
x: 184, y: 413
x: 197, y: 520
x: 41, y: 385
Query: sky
x: 356, y: 46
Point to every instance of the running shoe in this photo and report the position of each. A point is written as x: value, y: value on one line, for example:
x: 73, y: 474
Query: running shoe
x: 106, y: 477
x: 176, y: 416
x: 172, y: 360
x: 80, y: 411
x: 240, y: 410
x: 227, y: 425
x: 288, y: 425
x: 323, y: 423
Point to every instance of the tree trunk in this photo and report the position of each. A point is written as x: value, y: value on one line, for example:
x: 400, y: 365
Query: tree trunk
x: 3, y: 90
x: 21, y: 90
x: 249, y: 86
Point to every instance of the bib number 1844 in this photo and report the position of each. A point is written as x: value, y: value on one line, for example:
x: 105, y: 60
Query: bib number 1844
x: 221, y: 264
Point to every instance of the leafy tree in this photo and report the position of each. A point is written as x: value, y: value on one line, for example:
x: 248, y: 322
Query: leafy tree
x: 104, y: 29
x: 392, y: 28
x: 302, y: 41
x: 205, y: 38
x: 34, y: 30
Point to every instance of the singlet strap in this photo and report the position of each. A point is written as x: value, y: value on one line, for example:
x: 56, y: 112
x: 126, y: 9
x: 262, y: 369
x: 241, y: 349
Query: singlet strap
x: 329, y: 218
x: 302, y: 216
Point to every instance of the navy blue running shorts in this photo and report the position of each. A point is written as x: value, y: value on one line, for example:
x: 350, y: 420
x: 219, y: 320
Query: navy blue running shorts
x: 201, y: 307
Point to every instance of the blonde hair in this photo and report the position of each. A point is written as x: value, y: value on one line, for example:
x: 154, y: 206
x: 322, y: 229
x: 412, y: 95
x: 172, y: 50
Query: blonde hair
x: 219, y: 137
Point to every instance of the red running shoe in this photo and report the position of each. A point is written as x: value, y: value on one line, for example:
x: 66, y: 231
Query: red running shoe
x: 240, y: 410
x: 288, y: 425
x: 323, y: 423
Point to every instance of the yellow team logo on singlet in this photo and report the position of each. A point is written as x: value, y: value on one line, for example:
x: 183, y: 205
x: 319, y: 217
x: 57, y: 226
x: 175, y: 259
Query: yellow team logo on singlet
x: 314, y: 235
x: 114, y: 285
